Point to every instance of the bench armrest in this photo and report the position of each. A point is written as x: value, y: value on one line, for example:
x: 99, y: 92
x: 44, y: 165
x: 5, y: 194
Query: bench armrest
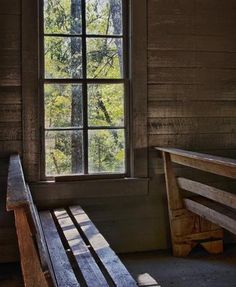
x: 16, y: 186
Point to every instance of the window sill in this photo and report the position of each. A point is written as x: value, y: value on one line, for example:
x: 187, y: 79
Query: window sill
x: 91, y: 188
x: 78, y: 177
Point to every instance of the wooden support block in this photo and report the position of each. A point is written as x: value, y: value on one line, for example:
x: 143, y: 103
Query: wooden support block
x: 213, y: 247
x: 187, y: 229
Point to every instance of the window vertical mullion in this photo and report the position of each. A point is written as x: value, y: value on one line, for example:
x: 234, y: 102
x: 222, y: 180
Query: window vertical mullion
x: 41, y: 91
x: 84, y: 87
x: 126, y: 73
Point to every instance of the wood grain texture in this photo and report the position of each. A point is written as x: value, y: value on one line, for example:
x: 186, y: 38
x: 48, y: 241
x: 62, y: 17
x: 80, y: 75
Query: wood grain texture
x: 64, y: 273
x: 186, y: 228
x: 109, y: 259
x: 201, y: 92
x: 195, y: 141
x: 10, y: 95
x: 215, y: 194
x: 213, y: 164
x: 195, y: 125
x: 17, y: 193
x: 10, y: 113
x: 138, y: 102
x: 32, y: 273
x: 83, y: 257
x: 192, y: 109
x: 30, y: 108
x: 213, y: 211
x: 109, y: 188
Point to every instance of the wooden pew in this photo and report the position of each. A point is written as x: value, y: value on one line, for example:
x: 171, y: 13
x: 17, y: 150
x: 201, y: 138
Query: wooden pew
x: 198, y: 219
x: 60, y: 247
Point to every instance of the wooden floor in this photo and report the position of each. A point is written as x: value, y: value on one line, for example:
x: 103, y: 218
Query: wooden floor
x: 199, y: 269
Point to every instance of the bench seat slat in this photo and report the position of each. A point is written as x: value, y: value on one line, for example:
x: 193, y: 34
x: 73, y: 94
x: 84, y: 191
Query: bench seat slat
x: 84, y: 259
x: 212, y: 211
x: 107, y: 256
x: 63, y: 271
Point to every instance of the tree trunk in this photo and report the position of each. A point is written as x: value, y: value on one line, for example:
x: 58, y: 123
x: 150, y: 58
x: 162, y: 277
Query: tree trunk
x: 116, y: 16
x: 76, y: 110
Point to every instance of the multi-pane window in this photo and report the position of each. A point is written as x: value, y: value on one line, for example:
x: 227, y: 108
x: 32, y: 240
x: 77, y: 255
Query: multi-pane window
x: 85, y: 87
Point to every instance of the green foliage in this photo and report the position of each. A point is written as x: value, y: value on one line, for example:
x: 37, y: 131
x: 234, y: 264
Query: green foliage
x: 106, y: 151
x: 63, y: 102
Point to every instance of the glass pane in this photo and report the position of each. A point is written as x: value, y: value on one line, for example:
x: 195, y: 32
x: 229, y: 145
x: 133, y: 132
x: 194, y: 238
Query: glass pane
x: 104, y: 17
x: 106, y: 150
x: 63, y: 105
x: 64, y: 152
x: 104, y: 58
x: 61, y: 17
x: 63, y: 57
x: 106, y: 105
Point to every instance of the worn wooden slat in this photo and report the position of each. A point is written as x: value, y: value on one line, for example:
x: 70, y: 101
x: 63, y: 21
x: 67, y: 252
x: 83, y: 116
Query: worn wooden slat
x: 16, y: 187
x: 195, y: 141
x: 208, y: 26
x: 190, y: 42
x: 107, y: 256
x: 84, y: 258
x: 185, y: 7
x: 212, y: 211
x: 160, y: 75
x: 10, y: 113
x: 63, y: 271
x: 214, y: 164
x: 218, y: 195
x: 10, y: 95
x: 10, y: 75
x: 191, y: 109
x: 201, y: 92
x: 191, y: 59
x: 195, y: 125
x: 10, y: 131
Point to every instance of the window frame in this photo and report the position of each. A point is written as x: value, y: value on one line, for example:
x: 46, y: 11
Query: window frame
x: 137, y: 151
x: 84, y: 81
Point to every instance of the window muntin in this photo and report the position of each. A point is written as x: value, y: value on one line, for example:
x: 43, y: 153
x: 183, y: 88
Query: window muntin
x: 85, y: 92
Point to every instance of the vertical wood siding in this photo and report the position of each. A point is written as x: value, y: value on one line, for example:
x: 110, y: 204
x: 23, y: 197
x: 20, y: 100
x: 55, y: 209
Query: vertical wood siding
x: 10, y: 114
x: 191, y: 84
x: 191, y: 105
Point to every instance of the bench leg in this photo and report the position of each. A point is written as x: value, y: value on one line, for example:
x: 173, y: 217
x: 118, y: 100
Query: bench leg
x: 187, y: 229
x: 30, y: 265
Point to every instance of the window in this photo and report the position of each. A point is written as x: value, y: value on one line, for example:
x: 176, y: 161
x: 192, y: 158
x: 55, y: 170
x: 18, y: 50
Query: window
x: 85, y: 86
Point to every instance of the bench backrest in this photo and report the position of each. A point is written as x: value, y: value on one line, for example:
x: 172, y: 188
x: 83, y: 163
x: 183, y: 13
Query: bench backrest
x: 33, y: 251
x: 211, y: 203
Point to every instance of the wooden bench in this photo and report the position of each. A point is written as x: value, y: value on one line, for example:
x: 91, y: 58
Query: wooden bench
x: 60, y: 247
x: 198, y: 220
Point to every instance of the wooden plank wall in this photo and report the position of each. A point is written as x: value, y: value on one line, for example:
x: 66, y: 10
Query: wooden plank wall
x: 191, y: 104
x: 10, y: 113
x: 191, y: 83
x: 192, y: 74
